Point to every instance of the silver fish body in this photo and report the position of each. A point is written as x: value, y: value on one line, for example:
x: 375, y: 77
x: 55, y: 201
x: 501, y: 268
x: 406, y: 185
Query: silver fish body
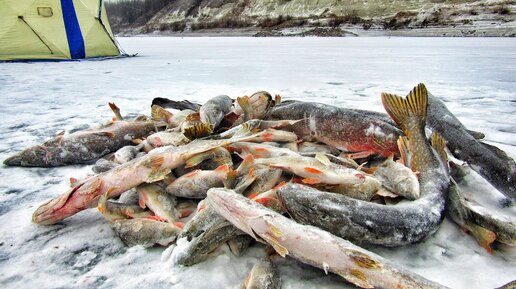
x: 263, y: 275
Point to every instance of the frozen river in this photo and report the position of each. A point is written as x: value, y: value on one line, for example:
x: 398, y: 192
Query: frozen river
x: 476, y: 77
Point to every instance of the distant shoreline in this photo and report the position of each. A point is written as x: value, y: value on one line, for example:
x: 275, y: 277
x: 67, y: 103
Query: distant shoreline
x: 356, y: 31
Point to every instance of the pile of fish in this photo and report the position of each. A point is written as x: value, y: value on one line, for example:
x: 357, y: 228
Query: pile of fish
x: 312, y: 181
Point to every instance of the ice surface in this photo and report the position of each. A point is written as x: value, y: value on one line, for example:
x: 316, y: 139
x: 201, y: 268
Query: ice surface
x: 476, y: 77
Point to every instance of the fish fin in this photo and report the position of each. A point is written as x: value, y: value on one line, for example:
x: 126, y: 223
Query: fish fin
x: 116, y: 111
x: 229, y: 182
x: 158, y: 113
x: 312, y: 170
x: 404, y: 110
x: 196, y: 116
x: 476, y: 134
x: 277, y: 99
x: 230, y: 118
x: 483, y: 236
x: 157, y: 173
x: 198, y: 131
x: 102, y: 203
x: 403, y: 145
x: 246, y: 107
x: 246, y: 164
x: 439, y: 145
x: 322, y: 158
x: 106, y: 133
x: 73, y: 182
x: 197, y: 159
x: 90, y: 187
x: 180, y: 225
x: 280, y: 249
x: 311, y: 181
x: 367, y: 170
x: 223, y: 168
x: 356, y: 277
x: 363, y: 260
x: 360, y: 155
x: 142, y: 198
x: 191, y: 174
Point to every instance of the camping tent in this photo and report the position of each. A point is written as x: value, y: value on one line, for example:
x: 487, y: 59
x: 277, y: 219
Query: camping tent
x: 55, y: 29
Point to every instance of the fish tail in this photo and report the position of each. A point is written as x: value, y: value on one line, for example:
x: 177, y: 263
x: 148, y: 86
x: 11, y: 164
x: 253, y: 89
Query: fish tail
x: 406, y: 111
x: 483, y: 236
x: 246, y: 107
x: 198, y: 131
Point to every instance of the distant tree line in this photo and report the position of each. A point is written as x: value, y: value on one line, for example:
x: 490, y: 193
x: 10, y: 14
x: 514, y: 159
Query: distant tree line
x: 132, y: 13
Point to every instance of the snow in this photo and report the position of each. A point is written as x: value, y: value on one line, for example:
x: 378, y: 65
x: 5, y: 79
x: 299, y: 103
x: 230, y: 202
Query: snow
x: 475, y: 77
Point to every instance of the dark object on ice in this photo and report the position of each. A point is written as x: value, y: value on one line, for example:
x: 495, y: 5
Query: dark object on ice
x: 82, y: 146
x: 180, y: 105
x: 487, y: 160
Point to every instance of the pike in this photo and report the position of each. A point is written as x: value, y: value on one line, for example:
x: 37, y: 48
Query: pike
x: 345, y: 129
x: 471, y: 216
x: 370, y: 223
x: 149, y: 168
x: 487, y: 160
x: 82, y: 146
x: 312, y: 245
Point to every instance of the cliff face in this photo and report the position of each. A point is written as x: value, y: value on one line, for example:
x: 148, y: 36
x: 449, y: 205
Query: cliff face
x: 274, y: 15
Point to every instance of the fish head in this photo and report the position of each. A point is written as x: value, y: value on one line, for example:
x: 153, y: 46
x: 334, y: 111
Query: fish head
x: 49, y: 212
x: 260, y: 102
x: 236, y: 210
x: 33, y: 156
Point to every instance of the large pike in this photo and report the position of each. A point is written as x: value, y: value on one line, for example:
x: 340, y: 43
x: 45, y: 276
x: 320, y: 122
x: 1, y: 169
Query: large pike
x: 370, y: 223
x: 312, y: 245
x: 342, y: 128
x: 487, y: 160
x: 149, y: 168
x: 82, y: 146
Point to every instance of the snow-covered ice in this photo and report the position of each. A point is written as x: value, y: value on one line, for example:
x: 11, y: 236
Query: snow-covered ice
x: 476, y: 77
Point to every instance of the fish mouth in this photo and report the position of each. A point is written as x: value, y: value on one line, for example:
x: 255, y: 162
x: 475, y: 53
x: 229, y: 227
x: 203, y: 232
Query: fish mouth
x: 15, y: 160
x: 50, y: 212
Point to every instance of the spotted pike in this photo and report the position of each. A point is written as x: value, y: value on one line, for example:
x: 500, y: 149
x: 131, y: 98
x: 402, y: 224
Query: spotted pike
x: 370, y: 223
x: 82, y: 146
x: 312, y: 245
x: 149, y: 168
x: 487, y: 160
x: 342, y: 128
x: 264, y: 275
x: 145, y: 232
